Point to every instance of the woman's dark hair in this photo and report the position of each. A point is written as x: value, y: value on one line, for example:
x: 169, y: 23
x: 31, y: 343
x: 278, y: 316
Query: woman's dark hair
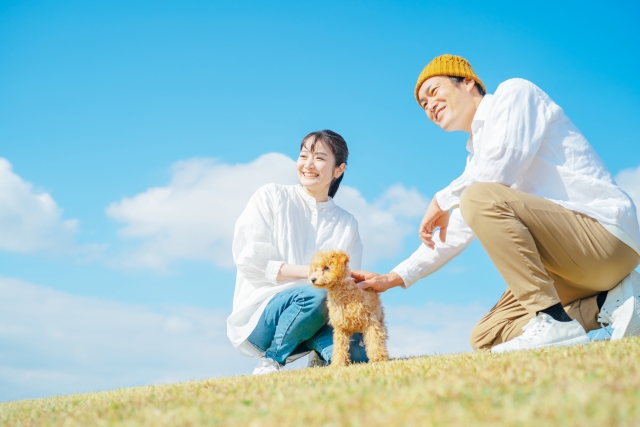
x: 338, y: 147
x: 457, y: 80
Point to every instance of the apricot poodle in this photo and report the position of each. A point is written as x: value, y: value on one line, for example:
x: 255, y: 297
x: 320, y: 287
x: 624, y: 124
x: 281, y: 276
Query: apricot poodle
x: 351, y: 309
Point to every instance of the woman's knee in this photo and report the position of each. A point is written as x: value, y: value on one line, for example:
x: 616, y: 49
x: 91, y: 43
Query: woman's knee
x: 314, y: 301
x: 316, y: 297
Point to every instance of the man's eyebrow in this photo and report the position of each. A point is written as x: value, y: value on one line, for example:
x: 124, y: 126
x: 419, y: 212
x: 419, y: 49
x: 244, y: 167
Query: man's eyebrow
x: 429, y: 88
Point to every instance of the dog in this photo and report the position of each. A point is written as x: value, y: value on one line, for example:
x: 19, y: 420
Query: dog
x: 351, y: 309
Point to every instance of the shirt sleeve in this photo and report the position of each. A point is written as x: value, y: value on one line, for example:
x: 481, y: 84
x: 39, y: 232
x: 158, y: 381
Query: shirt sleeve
x: 254, y: 251
x: 510, y: 137
x: 425, y: 261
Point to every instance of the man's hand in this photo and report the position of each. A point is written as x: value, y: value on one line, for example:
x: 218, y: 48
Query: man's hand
x: 433, y: 218
x: 377, y: 282
x: 362, y: 275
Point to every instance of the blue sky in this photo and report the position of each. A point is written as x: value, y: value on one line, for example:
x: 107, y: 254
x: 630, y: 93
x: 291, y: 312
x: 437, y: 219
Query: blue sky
x: 102, y: 102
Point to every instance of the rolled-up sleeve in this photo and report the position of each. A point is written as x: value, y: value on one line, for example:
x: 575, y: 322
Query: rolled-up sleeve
x: 254, y: 251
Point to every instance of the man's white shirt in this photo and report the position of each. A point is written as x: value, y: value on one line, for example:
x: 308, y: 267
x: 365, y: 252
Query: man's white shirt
x: 522, y: 139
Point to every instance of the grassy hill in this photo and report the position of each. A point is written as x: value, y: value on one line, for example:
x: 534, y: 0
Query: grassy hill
x: 593, y: 385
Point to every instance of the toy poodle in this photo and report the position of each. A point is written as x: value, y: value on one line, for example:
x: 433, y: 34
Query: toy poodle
x: 351, y: 309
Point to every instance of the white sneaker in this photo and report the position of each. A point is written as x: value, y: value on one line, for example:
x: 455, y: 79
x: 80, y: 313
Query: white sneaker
x: 315, y: 360
x: 267, y: 366
x: 544, y: 331
x: 625, y: 321
x: 621, y: 309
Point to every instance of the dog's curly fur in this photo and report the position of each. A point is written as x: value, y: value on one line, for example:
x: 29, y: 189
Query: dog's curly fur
x: 351, y: 309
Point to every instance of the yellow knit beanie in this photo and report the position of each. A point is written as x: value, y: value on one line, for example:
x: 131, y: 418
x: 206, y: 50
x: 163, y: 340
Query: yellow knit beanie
x: 447, y: 65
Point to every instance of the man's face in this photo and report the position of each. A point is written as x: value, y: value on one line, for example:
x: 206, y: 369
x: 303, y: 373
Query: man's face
x: 448, y: 105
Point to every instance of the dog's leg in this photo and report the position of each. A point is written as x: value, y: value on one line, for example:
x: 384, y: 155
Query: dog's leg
x: 375, y: 341
x: 340, y: 355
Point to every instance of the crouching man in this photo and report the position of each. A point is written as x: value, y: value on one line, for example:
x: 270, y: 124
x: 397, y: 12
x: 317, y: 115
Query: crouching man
x: 562, y: 234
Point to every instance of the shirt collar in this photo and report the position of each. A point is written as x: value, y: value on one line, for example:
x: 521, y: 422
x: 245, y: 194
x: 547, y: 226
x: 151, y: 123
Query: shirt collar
x: 478, y: 119
x: 483, y: 107
x: 470, y: 144
x: 311, y: 202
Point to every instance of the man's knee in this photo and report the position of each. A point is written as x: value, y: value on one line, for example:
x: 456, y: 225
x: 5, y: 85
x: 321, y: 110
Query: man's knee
x: 474, y: 196
x: 476, y: 338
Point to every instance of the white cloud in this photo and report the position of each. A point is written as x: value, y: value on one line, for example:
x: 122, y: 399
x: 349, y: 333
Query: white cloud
x: 385, y: 223
x: 30, y: 221
x: 55, y: 343
x: 629, y: 181
x: 193, y: 216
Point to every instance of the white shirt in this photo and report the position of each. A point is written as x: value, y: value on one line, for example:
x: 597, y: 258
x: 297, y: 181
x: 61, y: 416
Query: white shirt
x: 281, y: 224
x: 522, y: 139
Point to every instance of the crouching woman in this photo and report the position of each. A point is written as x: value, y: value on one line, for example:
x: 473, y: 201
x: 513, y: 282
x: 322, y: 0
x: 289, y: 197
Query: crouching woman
x: 277, y: 315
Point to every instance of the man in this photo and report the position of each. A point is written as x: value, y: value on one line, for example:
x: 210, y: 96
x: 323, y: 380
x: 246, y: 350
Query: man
x: 562, y: 234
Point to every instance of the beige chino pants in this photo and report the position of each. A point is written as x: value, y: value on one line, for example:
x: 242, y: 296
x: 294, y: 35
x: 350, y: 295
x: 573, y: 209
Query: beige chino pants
x: 546, y: 254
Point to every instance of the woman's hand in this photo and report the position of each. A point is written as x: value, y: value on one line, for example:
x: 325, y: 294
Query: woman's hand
x: 290, y: 272
x: 433, y: 218
x: 377, y: 282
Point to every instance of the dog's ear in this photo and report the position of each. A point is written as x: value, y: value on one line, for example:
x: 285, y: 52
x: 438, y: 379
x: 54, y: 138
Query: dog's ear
x: 344, y: 258
x: 341, y: 260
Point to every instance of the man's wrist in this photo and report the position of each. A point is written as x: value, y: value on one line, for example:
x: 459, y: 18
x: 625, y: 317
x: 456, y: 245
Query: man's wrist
x: 394, y: 279
x: 443, y: 201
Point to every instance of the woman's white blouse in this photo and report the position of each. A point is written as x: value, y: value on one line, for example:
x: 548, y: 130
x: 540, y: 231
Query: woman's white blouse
x: 281, y: 224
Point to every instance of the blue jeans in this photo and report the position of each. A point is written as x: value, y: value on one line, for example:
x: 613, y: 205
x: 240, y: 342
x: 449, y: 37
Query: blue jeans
x: 294, y: 322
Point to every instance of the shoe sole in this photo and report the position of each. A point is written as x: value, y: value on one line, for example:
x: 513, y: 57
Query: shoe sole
x: 265, y: 372
x: 568, y: 343
x: 631, y: 322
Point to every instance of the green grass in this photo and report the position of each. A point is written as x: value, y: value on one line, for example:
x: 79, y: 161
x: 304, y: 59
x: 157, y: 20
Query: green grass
x: 593, y: 385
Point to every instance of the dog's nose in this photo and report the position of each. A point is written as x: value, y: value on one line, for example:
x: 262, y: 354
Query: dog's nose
x: 313, y: 280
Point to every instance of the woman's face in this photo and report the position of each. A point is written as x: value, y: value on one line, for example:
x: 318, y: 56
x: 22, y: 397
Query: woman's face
x: 317, y: 169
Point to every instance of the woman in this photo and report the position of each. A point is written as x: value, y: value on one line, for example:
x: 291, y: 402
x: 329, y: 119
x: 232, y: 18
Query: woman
x: 276, y: 314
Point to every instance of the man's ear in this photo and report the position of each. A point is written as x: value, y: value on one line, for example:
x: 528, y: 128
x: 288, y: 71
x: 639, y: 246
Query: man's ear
x: 469, y: 84
x: 339, y: 170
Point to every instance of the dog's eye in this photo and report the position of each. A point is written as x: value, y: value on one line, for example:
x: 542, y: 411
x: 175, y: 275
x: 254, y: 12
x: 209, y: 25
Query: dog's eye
x: 326, y: 268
